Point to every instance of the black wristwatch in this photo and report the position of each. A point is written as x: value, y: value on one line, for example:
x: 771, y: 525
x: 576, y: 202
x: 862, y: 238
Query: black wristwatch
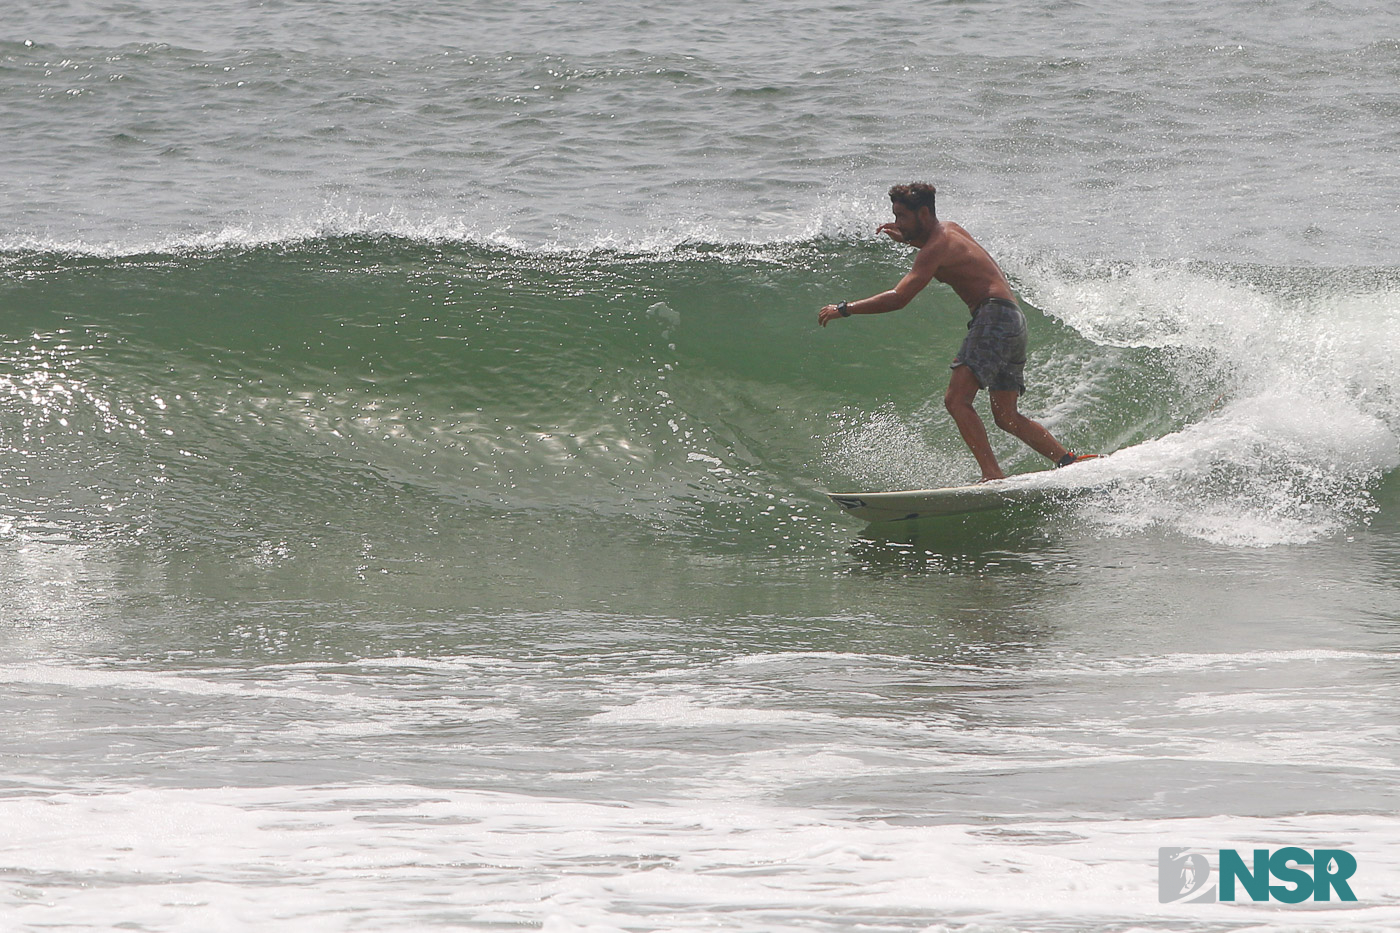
x: 842, y: 310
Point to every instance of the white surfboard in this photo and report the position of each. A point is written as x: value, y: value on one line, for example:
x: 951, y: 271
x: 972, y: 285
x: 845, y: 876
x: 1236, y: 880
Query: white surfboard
x: 1045, y: 485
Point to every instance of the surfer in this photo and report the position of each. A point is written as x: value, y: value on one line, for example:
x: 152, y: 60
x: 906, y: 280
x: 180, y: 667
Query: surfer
x: 994, y: 354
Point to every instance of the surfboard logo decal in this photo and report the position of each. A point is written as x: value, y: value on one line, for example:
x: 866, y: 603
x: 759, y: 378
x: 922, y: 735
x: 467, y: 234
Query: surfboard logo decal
x: 849, y: 502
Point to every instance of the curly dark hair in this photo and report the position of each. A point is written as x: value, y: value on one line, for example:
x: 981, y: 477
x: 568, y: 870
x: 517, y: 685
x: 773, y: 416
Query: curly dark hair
x: 914, y: 196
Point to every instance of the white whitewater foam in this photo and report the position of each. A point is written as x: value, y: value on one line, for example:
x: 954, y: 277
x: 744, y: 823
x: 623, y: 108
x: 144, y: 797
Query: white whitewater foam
x: 1304, y: 425
x: 401, y: 857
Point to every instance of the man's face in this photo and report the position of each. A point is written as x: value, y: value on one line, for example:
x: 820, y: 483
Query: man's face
x: 909, y: 222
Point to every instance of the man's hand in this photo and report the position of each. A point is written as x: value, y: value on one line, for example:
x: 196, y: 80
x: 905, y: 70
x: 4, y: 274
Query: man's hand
x: 892, y: 231
x: 826, y: 314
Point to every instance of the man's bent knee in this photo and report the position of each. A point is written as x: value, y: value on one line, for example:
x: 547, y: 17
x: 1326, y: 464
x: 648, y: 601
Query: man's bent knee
x: 1009, y: 421
x: 962, y: 389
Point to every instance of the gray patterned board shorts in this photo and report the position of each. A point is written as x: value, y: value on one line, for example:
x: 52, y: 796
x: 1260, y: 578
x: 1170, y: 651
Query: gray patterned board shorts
x: 995, y: 346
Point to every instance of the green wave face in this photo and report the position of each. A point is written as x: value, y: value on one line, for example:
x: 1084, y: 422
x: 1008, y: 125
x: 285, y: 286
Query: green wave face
x: 382, y: 386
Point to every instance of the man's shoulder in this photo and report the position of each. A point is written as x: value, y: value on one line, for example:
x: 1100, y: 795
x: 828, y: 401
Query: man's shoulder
x: 956, y: 241
x: 959, y: 231
x: 948, y: 234
x: 944, y: 239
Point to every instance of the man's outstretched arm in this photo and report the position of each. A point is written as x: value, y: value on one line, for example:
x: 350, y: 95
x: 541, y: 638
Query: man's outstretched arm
x: 892, y: 300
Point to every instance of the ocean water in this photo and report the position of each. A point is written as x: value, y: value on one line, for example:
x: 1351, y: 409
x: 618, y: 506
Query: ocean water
x: 414, y: 432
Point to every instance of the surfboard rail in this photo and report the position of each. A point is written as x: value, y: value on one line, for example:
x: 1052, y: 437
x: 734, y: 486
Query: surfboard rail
x: 920, y: 503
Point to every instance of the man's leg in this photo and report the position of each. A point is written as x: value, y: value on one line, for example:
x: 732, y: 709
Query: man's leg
x: 962, y: 389
x: 1010, y: 420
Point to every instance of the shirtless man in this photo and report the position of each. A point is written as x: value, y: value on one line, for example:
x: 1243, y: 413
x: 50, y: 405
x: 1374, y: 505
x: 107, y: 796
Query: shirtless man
x: 994, y: 353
